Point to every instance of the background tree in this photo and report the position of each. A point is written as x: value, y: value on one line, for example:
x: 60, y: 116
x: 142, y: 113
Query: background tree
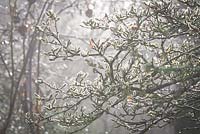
x: 20, y: 61
x: 147, y: 69
x: 18, y: 45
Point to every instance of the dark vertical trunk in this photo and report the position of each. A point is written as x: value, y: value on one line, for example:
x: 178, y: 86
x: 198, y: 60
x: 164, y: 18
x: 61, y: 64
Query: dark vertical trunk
x: 37, y: 106
x: 29, y: 88
x: 11, y: 107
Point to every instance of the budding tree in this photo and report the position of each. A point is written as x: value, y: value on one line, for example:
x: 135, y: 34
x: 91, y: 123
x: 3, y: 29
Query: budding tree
x: 147, y: 69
